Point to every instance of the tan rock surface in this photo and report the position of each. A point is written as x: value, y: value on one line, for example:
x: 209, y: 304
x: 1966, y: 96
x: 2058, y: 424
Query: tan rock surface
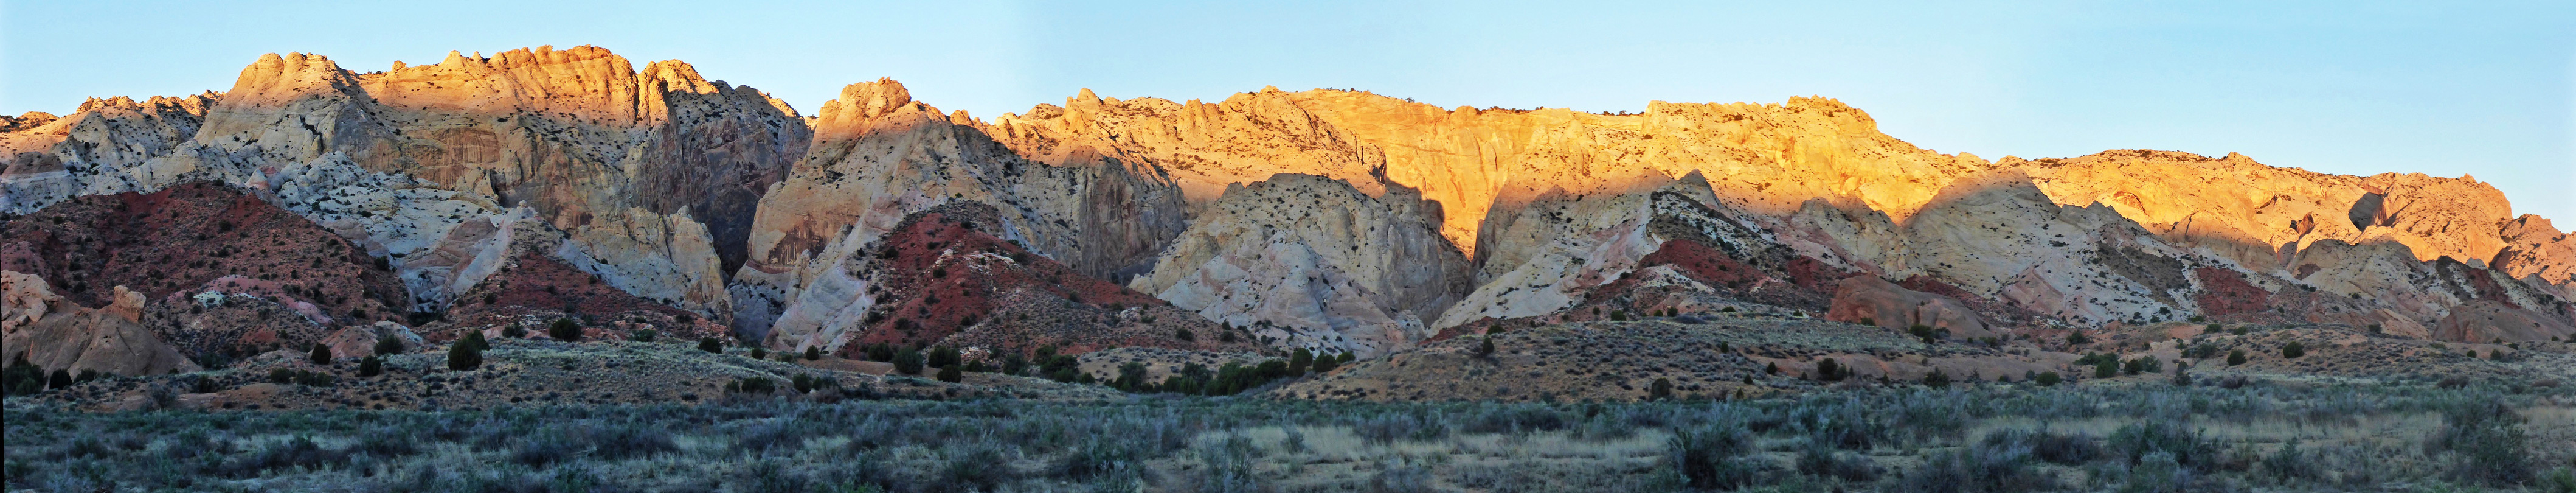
x: 2486, y: 321
x: 879, y: 156
x: 110, y: 339
x: 1868, y: 300
x: 1309, y: 261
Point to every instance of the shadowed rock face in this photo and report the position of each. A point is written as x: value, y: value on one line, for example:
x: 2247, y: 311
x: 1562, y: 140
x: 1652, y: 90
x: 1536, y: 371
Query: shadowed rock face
x: 880, y: 157
x: 52, y: 333
x: 180, y: 241
x: 1869, y: 300
x: 1310, y: 261
x: 2492, y: 322
x: 941, y: 278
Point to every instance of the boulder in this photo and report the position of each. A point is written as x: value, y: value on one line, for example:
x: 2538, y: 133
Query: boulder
x: 1873, y: 301
x: 109, y: 339
x: 2492, y: 322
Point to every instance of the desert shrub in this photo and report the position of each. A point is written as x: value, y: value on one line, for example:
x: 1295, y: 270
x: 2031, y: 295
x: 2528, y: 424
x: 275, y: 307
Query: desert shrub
x: 1661, y: 389
x: 943, y: 357
x: 1712, y: 457
x: 908, y: 362
x: 2294, y: 350
x: 1983, y: 468
x: 300, y: 451
x: 1936, y: 379
x: 2077, y: 338
x: 710, y: 344
x: 813, y: 353
x: 388, y: 345
x: 644, y: 335
x: 1326, y: 364
x: 2486, y: 441
x: 2048, y: 379
x: 321, y: 354
x: 951, y: 374
x: 1185, y: 336
x: 2106, y: 368
x: 619, y: 442
x: 2047, y: 445
x: 1820, y: 460
x: 1828, y: 370
x: 2150, y: 435
x: 2158, y: 472
x: 2290, y: 464
x: 371, y: 366
x: 514, y: 331
x: 758, y: 352
x: 2235, y: 357
x: 464, y: 355
x: 1300, y: 360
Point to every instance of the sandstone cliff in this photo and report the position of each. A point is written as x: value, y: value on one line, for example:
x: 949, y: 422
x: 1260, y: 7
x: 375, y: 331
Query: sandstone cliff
x: 1309, y: 261
x: 879, y: 156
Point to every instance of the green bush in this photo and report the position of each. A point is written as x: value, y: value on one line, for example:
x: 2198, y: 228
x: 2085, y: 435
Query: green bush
x: 758, y: 352
x: 813, y: 353
x: 514, y: 331
x: 1300, y: 360
x: 2048, y: 379
x: 1186, y: 336
x: 2294, y: 350
x: 564, y: 329
x: 321, y: 354
x: 908, y: 362
x: 644, y: 335
x: 1937, y: 379
x: 1660, y: 390
x: 2235, y: 357
x: 388, y: 345
x: 371, y: 366
x: 466, y: 354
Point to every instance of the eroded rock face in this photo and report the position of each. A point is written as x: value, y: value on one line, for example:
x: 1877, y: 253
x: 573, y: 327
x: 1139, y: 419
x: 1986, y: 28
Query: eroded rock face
x: 52, y: 333
x: 1309, y: 261
x: 397, y: 158
x: 1869, y: 300
x: 99, y: 150
x: 879, y: 157
x: 2492, y: 322
x: 176, y: 241
x: 2537, y: 252
x: 940, y: 277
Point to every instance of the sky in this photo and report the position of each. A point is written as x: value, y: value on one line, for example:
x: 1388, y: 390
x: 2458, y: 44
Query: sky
x: 2486, y: 89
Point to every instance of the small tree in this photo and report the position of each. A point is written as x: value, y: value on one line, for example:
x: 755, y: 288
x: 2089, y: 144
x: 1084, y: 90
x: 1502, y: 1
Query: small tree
x: 564, y: 329
x: 1937, y: 379
x: 514, y: 331
x: 2106, y: 368
x: 950, y: 374
x: 1300, y: 360
x: 758, y: 352
x: 1325, y: 364
x: 1485, y: 347
x: 710, y: 344
x: 1186, y: 336
x: 2048, y: 379
x: 321, y: 354
x: 371, y: 366
x: 1924, y: 332
x: 59, y: 379
x: 2294, y: 350
x: 908, y: 361
x: 813, y: 353
x: 389, y: 345
x: 2077, y: 338
x: 2235, y: 357
x: 1660, y: 390
x: 464, y: 355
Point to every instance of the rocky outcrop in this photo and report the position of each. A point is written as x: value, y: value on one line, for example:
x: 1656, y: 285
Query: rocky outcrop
x: 52, y: 333
x: 185, y: 237
x: 879, y: 157
x: 940, y: 277
x: 396, y: 158
x: 1868, y: 300
x: 360, y: 341
x: 101, y: 149
x: 2492, y: 322
x: 1309, y: 261
x: 2535, y: 251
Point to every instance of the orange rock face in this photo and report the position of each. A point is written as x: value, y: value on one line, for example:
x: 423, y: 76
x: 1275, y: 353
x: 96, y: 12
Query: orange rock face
x: 1872, y: 301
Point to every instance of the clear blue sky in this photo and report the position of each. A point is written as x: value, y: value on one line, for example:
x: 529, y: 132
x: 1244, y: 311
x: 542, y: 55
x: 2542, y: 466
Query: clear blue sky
x: 2444, y: 88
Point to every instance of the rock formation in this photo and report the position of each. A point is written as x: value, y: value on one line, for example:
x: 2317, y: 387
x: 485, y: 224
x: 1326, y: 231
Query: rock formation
x: 1868, y: 300
x: 940, y: 277
x: 1309, y: 261
x: 52, y: 333
x: 878, y: 157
